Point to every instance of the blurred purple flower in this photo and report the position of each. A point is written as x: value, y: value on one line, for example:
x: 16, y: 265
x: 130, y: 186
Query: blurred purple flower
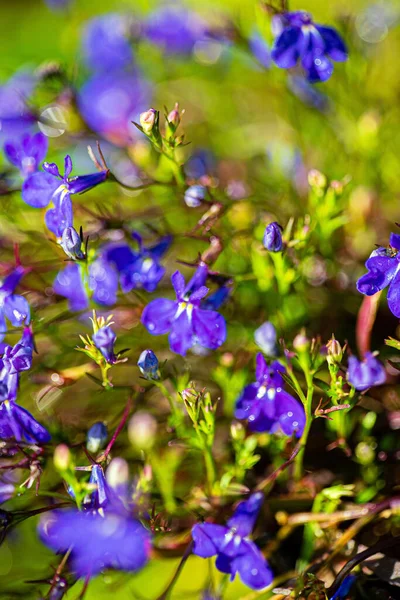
x: 72, y: 283
x: 265, y: 338
x: 15, y: 116
x: 110, y: 101
x: 200, y: 164
x: 174, y: 29
x: 17, y: 423
x: 265, y: 404
x: 105, y: 44
x: 138, y: 269
x: 27, y: 152
x: 96, y: 437
x: 363, y: 374
x: 260, y: 49
x: 184, y: 319
x: 12, y: 306
x: 272, y: 239
x: 194, y: 195
x: 236, y: 553
x: 313, y: 45
x: 104, y: 340
x: 384, y: 270
x: 103, y: 535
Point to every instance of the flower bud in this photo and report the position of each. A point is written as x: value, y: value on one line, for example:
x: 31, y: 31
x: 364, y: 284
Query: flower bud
x: 62, y: 457
x: 335, y: 352
x: 148, y: 365
x: 272, y: 240
x: 301, y: 343
x: 104, y: 340
x: 96, y: 437
x: 237, y: 431
x: 117, y: 474
x: 174, y: 117
x: 265, y: 338
x: 142, y: 430
x: 148, y: 120
x: 316, y: 179
x: 194, y: 195
x: 71, y: 244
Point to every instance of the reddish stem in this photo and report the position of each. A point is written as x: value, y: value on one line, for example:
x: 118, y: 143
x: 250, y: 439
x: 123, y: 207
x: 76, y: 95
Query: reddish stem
x: 124, y: 418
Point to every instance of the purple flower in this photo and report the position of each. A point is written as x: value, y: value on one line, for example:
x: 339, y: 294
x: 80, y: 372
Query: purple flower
x: 104, y: 340
x: 266, y: 405
x: 96, y: 437
x: 12, y: 306
x: 14, y: 360
x: 186, y: 322
x: 200, y: 164
x: 313, y: 45
x: 110, y: 101
x: 384, y: 270
x: 105, y: 44
x: 103, y: 535
x: 265, y: 338
x: 195, y: 195
x: 27, y: 152
x: 72, y: 283
x: 260, y: 49
x: 40, y: 188
x: 236, y: 553
x: 363, y: 374
x: 7, y: 491
x: 272, y: 239
x: 148, y: 365
x: 17, y: 423
x: 174, y: 29
x: 15, y: 116
x: 140, y: 269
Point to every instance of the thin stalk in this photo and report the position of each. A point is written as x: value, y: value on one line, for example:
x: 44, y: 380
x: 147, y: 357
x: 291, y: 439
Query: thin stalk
x: 166, y: 593
x: 298, y: 463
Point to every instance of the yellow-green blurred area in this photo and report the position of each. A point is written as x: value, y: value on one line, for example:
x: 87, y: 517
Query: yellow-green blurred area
x: 265, y: 140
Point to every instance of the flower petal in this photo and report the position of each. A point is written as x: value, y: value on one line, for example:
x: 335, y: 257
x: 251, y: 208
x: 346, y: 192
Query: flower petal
x: 290, y: 413
x: 68, y: 283
x: 158, y: 316
x: 335, y: 47
x: 252, y: 567
x: 245, y: 515
x: 181, y: 335
x: 178, y: 282
x: 208, y: 539
x: 38, y: 189
x: 17, y: 310
x: 288, y: 47
x: 209, y: 328
x: 320, y: 69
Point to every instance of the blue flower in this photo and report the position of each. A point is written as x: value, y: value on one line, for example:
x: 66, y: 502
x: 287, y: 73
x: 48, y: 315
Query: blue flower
x: 186, y: 322
x: 363, y: 374
x: 104, y: 340
x: 17, y: 423
x: 384, y: 270
x: 27, y: 152
x: 272, y: 239
x: 110, y: 101
x: 40, y: 188
x: 96, y: 437
x: 72, y: 283
x: 260, y: 49
x: 148, y: 365
x: 235, y: 552
x: 15, y: 115
x: 195, y: 195
x: 105, y: 44
x: 140, y: 269
x: 103, y: 535
x: 12, y: 306
x: 265, y: 338
x: 266, y: 405
x: 313, y: 45
x: 174, y: 29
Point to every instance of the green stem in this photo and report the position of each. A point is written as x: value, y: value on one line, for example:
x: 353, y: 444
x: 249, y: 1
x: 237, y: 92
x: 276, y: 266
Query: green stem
x: 211, y: 471
x: 298, y: 463
x: 176, y: 413
x: 280, y: 272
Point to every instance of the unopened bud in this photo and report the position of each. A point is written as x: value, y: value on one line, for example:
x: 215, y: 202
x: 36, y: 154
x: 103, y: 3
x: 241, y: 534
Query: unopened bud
x: 237, y: 431
x: 148, y: 120
x: 117, y: 473
x: 62, y: 457
x: 301, y: 343
x: 272, y: 240
x: 194, y: 195
x: 71, y: 244
x: 96, y: 437
x: 265, y: 338
x: 316, y: 179
x: 142, y: 430
x: 335, y: 352
x: 148, y: 365
x: 174, y: 117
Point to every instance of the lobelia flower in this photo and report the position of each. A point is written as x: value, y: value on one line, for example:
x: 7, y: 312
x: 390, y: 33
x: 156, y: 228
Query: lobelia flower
x: 13, y: 306
x: 363, y: 374
x: 139, y: 269
x: 174, y: 29
x: 103, y: 535
x: 40, y: 188
x: 110, y: 101
x: 186, y: 322
x: 266, y: 405
x: 72, y: 283
x: 148, y: 365
x: 194, y: 195
x: 272, y: 239
x: 96, y: 437
x: 265, y: 338
x: 384, y: 270
x: 17, y: 423
x: 105, y: 44
x: 314, y: 46
x: 260, y: 49
x: 236, y: 553
x: 27, y: 152
x: 104, y: 340
x: 15, y: 116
